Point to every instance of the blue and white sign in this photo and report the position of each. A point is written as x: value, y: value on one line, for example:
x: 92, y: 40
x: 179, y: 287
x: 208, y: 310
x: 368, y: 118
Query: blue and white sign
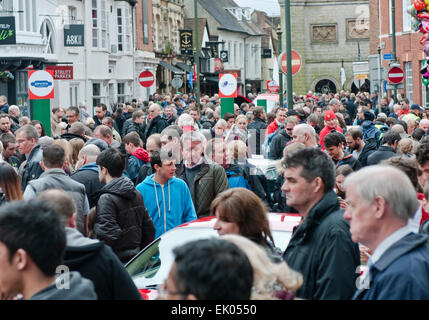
x: 388, y: 56
x: 40, y: 84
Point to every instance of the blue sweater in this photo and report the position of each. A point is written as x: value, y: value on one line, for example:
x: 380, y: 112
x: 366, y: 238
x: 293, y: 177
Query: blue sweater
x: 169, y: 206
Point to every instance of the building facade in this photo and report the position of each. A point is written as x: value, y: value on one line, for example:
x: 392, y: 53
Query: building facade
x: 232, y: 29
x: 409, y: 52
x: 167, y: 20
x: 114, y: 47
x: 327, y: 35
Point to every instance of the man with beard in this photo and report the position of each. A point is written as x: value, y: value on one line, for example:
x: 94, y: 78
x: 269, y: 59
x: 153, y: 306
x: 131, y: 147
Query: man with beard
x: 357, y: 146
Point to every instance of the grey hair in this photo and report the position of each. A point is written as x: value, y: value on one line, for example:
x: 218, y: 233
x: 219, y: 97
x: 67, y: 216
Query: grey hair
x: 90, y: 150
x: 185, y: 120
x: 193, y: 136
x: 305, y: 128
x: 221, y: 122
x: 388, y: 182
x: 30, y: 132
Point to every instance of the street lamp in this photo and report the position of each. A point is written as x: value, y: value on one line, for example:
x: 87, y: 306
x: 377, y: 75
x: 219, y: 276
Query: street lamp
x: 279, y: 36
x: 289, y: 55
x: 197, y: 55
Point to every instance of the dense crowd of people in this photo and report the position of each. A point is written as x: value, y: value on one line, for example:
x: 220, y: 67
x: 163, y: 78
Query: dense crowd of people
x: 96, y: 190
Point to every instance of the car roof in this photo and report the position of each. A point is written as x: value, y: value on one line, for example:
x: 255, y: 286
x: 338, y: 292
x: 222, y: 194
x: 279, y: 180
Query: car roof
x: 278, y: 221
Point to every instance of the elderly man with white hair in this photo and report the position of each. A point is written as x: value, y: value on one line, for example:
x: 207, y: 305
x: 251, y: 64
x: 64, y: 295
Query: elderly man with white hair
x: 424, y: 124
x: 205, y: 180
x: 305, y: 134
x: 380, y: 201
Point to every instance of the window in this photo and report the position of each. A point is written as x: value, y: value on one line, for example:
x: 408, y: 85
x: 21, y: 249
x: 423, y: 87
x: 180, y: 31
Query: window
x: 94, y: 24
x: 121, y: 92
x: 96, y: 93
x: 406, y: 17
x: 74, y: 95
x: 128, y: 29
x: 99, y: 24
x: 46, y: 33
x: 390, y: 17
x: 21, y: 78
x: 6, y: 8
x: 409, y: 81
x: 103, y: 25
x: 120, y: 29
x: 145, y: 22
x: 235, y: 53
x: 25, y: 12
x: 72, y: 15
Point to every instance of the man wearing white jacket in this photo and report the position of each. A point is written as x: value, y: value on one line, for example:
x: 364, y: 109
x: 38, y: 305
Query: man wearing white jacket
x: 167, y: 199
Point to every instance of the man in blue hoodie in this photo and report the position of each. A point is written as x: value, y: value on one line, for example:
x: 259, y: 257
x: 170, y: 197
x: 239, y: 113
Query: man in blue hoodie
x: 167, y: 199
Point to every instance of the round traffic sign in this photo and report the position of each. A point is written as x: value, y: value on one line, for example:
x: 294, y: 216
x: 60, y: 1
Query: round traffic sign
x: 176, y: 83
x: 146, y: 79
x: 272, y: 86
x: 228, y: 85
x: 395, y: 75
x: 296, y: 62
x: 40, y: 84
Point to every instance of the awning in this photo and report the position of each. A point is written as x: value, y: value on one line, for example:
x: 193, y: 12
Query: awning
x: 213, y: 79
x: 184, y: 66
x: 170, y: 67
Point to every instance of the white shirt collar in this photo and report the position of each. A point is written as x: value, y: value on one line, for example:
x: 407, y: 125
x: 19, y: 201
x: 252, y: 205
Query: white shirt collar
x: 388, y: 242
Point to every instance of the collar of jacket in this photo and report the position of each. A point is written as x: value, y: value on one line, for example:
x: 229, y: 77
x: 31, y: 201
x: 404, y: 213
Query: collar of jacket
x: 54, y: 171
x: 398, y: 249
x: 323, y: 208
x: 33, y: 152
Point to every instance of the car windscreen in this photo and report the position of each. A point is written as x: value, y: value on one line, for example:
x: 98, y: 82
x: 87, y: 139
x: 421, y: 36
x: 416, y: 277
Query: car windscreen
x: 151, y: 267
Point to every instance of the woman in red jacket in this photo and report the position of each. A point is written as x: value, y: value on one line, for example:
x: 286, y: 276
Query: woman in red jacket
x: 331, y: 123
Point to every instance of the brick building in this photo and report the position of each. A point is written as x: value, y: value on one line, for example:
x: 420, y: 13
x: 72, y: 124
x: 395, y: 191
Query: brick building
x: 409, y: 52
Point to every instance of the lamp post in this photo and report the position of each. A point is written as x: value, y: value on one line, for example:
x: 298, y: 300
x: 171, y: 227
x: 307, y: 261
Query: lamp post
x: 394, y: 45
x: 197, y: 55
x: 289, y: 55
x: 279, y: 36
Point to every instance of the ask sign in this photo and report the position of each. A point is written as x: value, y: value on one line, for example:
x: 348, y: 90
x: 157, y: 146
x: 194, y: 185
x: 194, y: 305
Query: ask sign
x: 74, y: 35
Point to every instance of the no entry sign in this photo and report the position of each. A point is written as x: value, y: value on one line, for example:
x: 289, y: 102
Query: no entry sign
x: 296, y: 62
x: 146, y: 79
x: 395, y: 75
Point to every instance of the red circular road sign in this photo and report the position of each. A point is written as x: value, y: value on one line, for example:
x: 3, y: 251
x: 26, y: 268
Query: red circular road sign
x: 395, y: 75
x: 296, y: 62
x: 272, y: 86
x: 146, y: 79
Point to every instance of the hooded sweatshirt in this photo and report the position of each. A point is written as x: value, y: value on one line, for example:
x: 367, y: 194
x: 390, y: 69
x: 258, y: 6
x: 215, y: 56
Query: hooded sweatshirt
x: 78, y: 288
x: 96, y: 261
x: 122, y: 220
x: 169, y: 205
x: 135, y: 161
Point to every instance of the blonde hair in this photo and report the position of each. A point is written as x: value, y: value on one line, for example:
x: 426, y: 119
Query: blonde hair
x: 268, y: 276
x: 68, y: 150
x: 238, y: 150
x: 405, y: 146
x: 58, y: 128
x: 241, y: 116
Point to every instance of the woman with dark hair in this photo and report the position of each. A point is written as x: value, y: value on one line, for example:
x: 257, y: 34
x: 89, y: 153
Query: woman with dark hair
x: 39, y: 126
x: 10, y: 186
x: 240, y: 211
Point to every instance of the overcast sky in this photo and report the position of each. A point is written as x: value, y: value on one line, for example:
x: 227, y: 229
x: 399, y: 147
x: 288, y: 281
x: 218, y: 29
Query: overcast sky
x: 271, y: 7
